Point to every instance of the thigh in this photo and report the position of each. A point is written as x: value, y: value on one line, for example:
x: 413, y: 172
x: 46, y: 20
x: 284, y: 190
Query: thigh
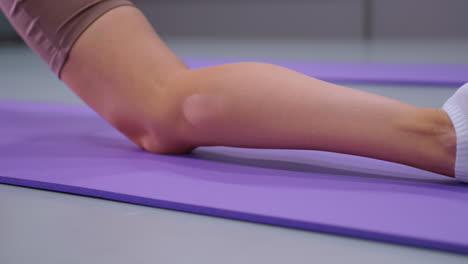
x: 121, y: 68
x: 51, y: 27
x: 108, y: 54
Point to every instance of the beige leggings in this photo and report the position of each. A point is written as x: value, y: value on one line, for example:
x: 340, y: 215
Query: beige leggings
x: 51, y: 27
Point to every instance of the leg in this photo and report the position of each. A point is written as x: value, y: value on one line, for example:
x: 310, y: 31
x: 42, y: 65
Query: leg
x: 243, y: 104
x: 121, y: 68
x: 266, y: 106
x: 147, y: 93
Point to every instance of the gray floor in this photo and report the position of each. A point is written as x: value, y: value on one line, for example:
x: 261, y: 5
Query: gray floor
x: 47, y: 227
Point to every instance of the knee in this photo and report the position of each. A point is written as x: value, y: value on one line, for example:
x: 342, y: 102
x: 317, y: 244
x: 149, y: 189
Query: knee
x: 184, y: 115
x: 167, y: 131
x: 203, y: 110
x: 156, y: 124
x: 186, y: 125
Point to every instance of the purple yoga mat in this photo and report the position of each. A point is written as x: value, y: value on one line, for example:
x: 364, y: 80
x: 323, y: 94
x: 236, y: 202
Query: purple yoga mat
x: 70, y: 149
x: 362, y: 72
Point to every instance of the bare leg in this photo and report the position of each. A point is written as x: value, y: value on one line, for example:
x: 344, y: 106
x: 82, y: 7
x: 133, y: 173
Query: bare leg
x: 121, y: 68
x: 258, y: 105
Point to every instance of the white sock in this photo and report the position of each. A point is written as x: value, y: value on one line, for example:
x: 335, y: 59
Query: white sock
x: 457, y: 109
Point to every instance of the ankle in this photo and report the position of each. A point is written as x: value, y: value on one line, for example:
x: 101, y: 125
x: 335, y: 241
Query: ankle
x: 446, y: 140
x: 431, y: 140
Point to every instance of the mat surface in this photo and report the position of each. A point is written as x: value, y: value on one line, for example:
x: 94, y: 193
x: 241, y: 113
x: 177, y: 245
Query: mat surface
x: 70, y: 149
x: 362, y: 72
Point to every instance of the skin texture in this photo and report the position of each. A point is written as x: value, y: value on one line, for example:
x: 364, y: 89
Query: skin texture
x: 122, y: 69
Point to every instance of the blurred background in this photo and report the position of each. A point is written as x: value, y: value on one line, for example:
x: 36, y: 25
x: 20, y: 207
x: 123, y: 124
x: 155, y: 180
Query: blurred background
x: 407, y: 31
x: 316, y: 19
